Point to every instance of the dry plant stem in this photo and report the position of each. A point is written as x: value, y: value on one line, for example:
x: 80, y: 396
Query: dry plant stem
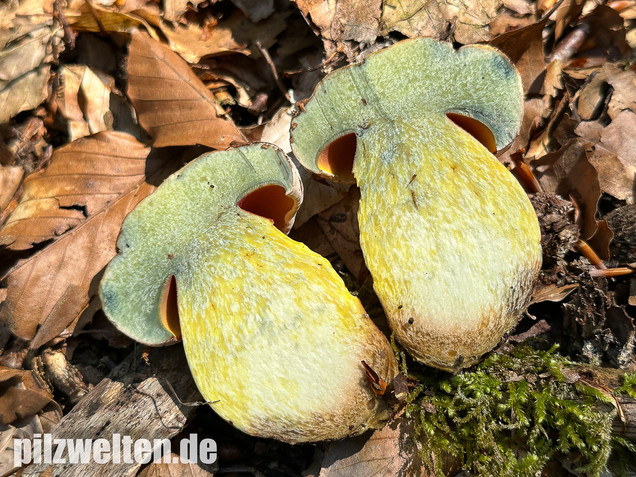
x: 590, y: 254
x: 611, y: 272
x: 551, y: 11
x: 272, y: 67
x: 524, y: 175
x: 97, y: 20
x: 620, y: 5
x: 570, y: 44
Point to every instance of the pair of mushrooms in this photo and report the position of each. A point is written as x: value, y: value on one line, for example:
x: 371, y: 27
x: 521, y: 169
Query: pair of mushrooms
x: 273, y: 338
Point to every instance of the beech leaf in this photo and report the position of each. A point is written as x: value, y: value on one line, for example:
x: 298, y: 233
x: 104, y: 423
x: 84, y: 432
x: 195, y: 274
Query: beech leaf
x: 82, y: 178
x: 174, y: 106
x: 47, y: 292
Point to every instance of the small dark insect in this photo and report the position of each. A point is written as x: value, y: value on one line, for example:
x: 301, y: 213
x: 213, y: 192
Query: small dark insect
x: 378, y: 385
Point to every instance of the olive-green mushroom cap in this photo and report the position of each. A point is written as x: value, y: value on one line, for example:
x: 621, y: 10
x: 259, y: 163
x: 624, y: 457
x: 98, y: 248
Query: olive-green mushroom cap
x: 411, y: 78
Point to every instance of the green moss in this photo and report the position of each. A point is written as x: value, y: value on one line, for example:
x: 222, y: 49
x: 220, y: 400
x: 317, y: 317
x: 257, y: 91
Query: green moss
x: 628, y: 385
x: 511, y: 414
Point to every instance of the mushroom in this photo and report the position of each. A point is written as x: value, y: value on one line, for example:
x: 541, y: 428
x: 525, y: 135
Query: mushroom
x: 274, y: 340
x: 449, y: 236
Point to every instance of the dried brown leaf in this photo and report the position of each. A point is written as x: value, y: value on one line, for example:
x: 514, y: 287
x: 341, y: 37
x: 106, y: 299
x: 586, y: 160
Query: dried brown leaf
x: 525, y: 49
x: 591, y: 98
x: 615, y: 157
x: 173, y: 10
x: 112, y: 16
x: 467, y: 20
x: 177, y: 469
x: 551, y: 292
x: 173, y: 105
x: 600, y: 37
x: 345, y: 20
x: 10, y: 180
x: 507, y: 22
x: 26, y: 51
x: 55, y: 284
x: 47, y: 292
x: 568, y: 173
x: 193, y: 42
x: 84, y: 101
x: 256, y: 10
x: 234, y: 34
x: 21, y: 394
x: 567, y: 13
x: 339, y: 223
x: 82, y: 179
x: 601, y: 239
x: 388, y: 451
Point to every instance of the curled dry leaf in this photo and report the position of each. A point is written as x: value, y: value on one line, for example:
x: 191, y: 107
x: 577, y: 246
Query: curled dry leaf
x: 388, y: 451
x: 615, y: 156
x: 234, y: 34
x: 339, y: 223
x: 47, y: 292
x: 23, y: 394
x: 552, y: 292
x: 100, y: 17
x: 601, y: 239
x: 467, y: 21
x: 84, y: 101
x: 174, y: 106
x: 174, y: 467
x: 524, y: 47
x: 568, y: 173
x: 28, y: 44
x: 567, y: 13
x: 345, y: 20
x: 10, y: 179
x: 174, y: 9
x: 82, y: 179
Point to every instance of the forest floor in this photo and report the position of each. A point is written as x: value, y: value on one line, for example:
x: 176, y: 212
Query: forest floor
x: 84, y: 138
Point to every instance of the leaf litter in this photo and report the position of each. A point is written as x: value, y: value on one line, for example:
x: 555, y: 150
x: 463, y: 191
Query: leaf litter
x: 116, y: 93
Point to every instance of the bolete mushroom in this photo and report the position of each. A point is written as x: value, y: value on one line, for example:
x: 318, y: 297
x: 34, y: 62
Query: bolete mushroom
x: 449, y: 236
x: 274, y: 340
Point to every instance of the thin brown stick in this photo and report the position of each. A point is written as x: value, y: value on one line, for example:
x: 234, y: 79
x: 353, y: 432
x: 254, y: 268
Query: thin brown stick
x: 272, y: 67
x: 611, y: 272
x: 524, y: 174
x: 590, y: 254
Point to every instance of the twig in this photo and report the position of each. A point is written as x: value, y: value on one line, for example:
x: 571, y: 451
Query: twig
x: 524, y: 174
x: 272, y: 67
x: 97, y: 20
x: 611, y: 272
x: 590, y: 254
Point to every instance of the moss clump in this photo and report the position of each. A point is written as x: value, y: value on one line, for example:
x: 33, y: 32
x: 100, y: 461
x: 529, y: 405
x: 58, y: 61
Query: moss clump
x: 512, y: 413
